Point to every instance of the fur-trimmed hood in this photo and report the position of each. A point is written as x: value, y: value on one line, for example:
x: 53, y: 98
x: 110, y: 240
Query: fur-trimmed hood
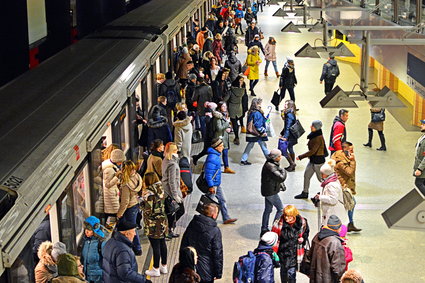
x: 184, y: 124
x: 157, y: 123
x: 45, y: 253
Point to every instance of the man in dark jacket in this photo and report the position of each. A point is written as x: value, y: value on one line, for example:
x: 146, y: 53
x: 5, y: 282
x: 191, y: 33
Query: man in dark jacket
x: 119, y: 262
x: 42, y: 234
x: 189, y: 93
x: 316, y: 153
x: 234, y: 65
x: 249, y: 16
x: 288, y: 80
x: 257, y: 42
x: 204, y: 235
x: 203, y: 93
x: 272, y: 182
x: 158, y: 128
x: 330, y: 72
x: 327, y: 253
x: 251, y: 31
x: 171, y: 90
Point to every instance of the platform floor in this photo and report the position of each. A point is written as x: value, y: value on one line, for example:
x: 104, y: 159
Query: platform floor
x: 380, y: 254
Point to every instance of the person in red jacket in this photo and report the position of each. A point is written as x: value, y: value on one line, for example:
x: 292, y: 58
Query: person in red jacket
x: 338, y: 131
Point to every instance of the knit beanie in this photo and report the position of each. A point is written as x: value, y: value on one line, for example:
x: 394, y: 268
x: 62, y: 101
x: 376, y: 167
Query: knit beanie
x: 275, y: 153
x: 192, y: 77
x: 211, y: 105
x: 289, y: 59
x: 328, y: 167
x: 58, y: 249
x: 317, y: 124
x: 216, y: 142
x: 117, y: 155
x: 270, y: 238
x: 333, y: 222
x: 67, y: 265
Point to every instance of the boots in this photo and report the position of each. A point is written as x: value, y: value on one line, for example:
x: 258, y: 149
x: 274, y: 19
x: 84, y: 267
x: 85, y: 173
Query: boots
x: 382, y: 138
x: 303, y: 195
x: 236, y: 141
x: 228, y: 170
x: 243, y: 130
x: 291, y: 167
x: 369, y: 143
x: 265, y: 73
x: 277, y: 74
x: 352, y: 228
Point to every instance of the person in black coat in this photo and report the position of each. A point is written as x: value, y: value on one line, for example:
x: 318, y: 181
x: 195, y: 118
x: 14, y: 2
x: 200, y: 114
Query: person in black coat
x: 250, y: 33
x: 204, y: 235
x: 209, y: 133
x: 42, y: 234
x: 221, y: 86
x: 288, y: 80
x: 257, y: 42
x: 234, y: 65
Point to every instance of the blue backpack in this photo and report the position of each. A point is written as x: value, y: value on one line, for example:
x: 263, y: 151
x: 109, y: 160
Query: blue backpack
x: 244, y: 268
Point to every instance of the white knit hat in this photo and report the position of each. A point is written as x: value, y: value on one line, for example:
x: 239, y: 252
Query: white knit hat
x: 117, y: 155
x: 58, y: 249
x: 270, y: 238
x: 328, y: 167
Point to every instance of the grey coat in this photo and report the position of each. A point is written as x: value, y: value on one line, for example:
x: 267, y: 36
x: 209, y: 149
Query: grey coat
x: 234, y: 101
x: 171, y: 178
x: 183, y: 136
x: 219, y: 126
x: 419, y: 156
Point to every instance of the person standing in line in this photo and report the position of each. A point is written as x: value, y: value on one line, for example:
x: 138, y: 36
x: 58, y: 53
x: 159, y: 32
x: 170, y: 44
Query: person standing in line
x: 253, y: 61
x: 234, y: 65
x: 184, y: 271
x: 46, y: 268
x: 288, y: 80
x: 183, y: 131
x: 266, y: 259
x: 234, y: 100
x: 377, y: 123
x: 209, y: 109
x: 272, y: 182
x: 270, y: 55
x: 330, y: 72
x: 171, y: 90
x: 338, y: 131
x: 316, y: 153
x: 203, y: 93
x: 419, y: 165
x: 286, y: 135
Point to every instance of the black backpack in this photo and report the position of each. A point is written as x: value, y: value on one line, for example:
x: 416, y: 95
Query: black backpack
x: 333, y: 71
x: 171, y: 94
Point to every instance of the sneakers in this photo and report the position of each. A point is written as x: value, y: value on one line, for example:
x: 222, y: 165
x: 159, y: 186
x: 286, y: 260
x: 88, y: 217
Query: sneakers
x: 172, y: 235
x: 230, y: 221
x: 243, y: 130
x: 154, y: 272
x: 245, y: 163
x: 303, y: 195
x: 163, y: 269
x: 228, y: 170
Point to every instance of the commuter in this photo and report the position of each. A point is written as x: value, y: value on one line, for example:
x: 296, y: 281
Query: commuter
x: 184, y: 271
x: 331, y: 198
x: 254, y: 9
x: 58, y: 249
x: 189, y: 93
x: 196, y: 55
x: 270, y: 55
x: 210, y: 107
x: 261, y: 3
x: 239, y: 15
x: 68, y: 270
x: 181, y: 68
x: 294, y: 231
x: 154, y: 163
x: 288, y: 80
x: 221, y: 86
x: 110, y: 187
x: 203, y: 234
x: 41, y: 234
x: 171, y: 90
x: 253, y: 61
x: 352, y: 276
x: 160, y: 79
x: 327, y: 254
x: 347, y: 251
x: 256, y: 42
x: 208, y: 43
x: 131, y: 185
x: 190, y: 39
x: 119, y: 262
x: 249, y: 17
x: 171, y: 184
x: 203, y: 93
x: 158, y: 127
x: 234, y: 99
x: 330, y: 72
x: 316, y: 153
x: 377, y: 123
x: 155, y: 222
x: 234, y: 65
x: 345, y: 169
x: 200, y: 39
x: 338, y: 131
x: 221, y: 129
x: 183, y: 131
x: 219, y: 28
x: 251, y: 31
x: 419, y: 165
x: 91, y: 251
x: 213, y: 70
x: 46, y: 268
x: 206, y: 64
x: 272, y: 182
x: 160, y: 109
x: 230, y: 41
x: 256, y: 117
x: 212, y: 172
x: 266, y: 259
x: 287, y: 136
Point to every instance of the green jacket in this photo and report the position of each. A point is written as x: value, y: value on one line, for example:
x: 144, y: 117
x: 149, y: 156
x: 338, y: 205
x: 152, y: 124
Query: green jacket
x: 154, y: 217
x: 419, y: 157
x: 220, y: 124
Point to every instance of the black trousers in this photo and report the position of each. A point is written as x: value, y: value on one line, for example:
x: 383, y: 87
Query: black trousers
x: 173, y: 218
x: 420, y: 184
x: 291, y: 93
x: 159, y: 249
x: 235, y: 125
x: 329, y: 85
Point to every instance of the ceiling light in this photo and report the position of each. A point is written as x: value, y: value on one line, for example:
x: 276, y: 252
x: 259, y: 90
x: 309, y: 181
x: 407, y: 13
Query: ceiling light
x: 307, y: 51
x: 342, y: 51
x: 290, y: 27
x: 337, y: 98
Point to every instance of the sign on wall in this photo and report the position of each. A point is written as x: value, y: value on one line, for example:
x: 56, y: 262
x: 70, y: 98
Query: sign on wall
x: 416, y: 74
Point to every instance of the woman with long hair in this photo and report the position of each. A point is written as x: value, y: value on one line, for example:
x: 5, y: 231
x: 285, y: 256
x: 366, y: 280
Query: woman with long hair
x: 288, y: 115
x: 238, y: 105
x: 218, y: 49
x: 270, y: 55
x: 185, y: 270
x: 214, y: 69
x: 253, y: 61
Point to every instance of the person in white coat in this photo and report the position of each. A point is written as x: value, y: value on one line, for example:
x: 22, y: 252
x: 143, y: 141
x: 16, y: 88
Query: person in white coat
x: 183, y: 130
x: 270, y: 55
x: 331, y: 198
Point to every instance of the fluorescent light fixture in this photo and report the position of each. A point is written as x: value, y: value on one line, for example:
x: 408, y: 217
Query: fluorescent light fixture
x: 307, y: 51
x: 280, y: 13
x: 337, y: 98
x: 290, y: 27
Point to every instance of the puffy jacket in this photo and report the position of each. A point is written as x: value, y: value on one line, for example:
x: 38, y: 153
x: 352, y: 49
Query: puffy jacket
x: 41, y: 234
x: 316, y: 148
x: 204, y: 235
x: 290, y: 120
x: 220, y: 124
x: 119, y: 262
x: 129, y: 193
x: 171, y: 178
x: 259, y: 123
x: 271, y: 178
x: 332, y: 201
x: 338, y: 134
x: 171, y: 84
x: 213, y: 167
x: 91, y: 259
x: 46, y: 268
x: 287, y: 78
x: 326, y: 71
x: 154, y: 217
x: 234, y: 65
x: 270, y: 52
x: 183, y: 136
x: 254, y: 68
x: 203, y: 93
x: 345, y: 169
x: 67, y: 279
x: 264, y: 267
x: 110, y: 190
x: 159, y: 130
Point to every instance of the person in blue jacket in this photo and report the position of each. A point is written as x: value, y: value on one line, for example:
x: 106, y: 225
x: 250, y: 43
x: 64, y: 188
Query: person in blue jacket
x: 266, y: 259
x: 119, y: 262
x: 212, y: 171
x: 257, y: 133
x: 91, y: 255
x: 288, y: 115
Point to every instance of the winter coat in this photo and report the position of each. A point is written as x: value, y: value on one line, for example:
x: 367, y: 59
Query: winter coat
x: 272, y: 176
x: 264, y: 267
x: 239, y: 14
x: 153, y: 207
x: 212, y: 167
x: 129, y: 192
x: 221, y: 89
x: 332, y: 201
x: 270, y: 52
x: 327, y: 257
x: 218, y: 50
x: 316, y: 148
x: 183, y: 136
x: 111, y: 197
x: 203, y: 93
x: 234, y: 65
x: 257, y: 43
x: 181, y: 68
x: 46, y: 268
x: 41, y: 234
x: 230, y: 41
x: 248, y: 18
x: 171, y: 178
x: 200, y: 39
x: 288, y: 241
x: 290, y: 120
x: 91, y: 259
x: 154, y: 164
x: 208, y: 46
x: 189, y: 93
x: 259, y: 123
x: 234, y: 102
x: 165, y: 90
x: 186, y: 275
x: 219, y: 126
x: 338, y: 134
x: 326, y: 75
x: 419, y: 157
x: 345, y: 169
x: 378, y: 126
x: 287, y: 78
x: 159, y: 129
x: 119, y: 262
x: 157, y: 111
x: 204, y: 235
x: 254, y: 71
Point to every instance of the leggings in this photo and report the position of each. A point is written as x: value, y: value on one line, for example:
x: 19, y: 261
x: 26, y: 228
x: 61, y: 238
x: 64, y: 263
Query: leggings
x: 235, y: 125
x: 159, y: 249
x: 225, y: 157
x: 252, y: 84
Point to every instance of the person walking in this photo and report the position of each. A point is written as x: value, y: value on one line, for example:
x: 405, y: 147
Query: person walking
x: 253, y: 61
x: 184, y: 271
x: 234, y: 65
x: 316, y: 153
x: 270, y: 55
x: 338, y: 131
x: 183, y: 131
x: 376, y: 123
x: 330, y: 72
x: 203, y: 234
x: 256, y: 42
x: 256, y: 133
x: 288, y: 80
x: 239, y: 15
x: 272, y: 182
x: 288, y: 115
x: 234, y: 100
x: 203, y: 94
x: 249, y: 18
x: 217, y: 48
x: 266, y: 260
x: 419, y: 165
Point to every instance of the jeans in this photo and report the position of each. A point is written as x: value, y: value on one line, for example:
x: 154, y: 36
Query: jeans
x: 291, y: 93
x: 420, y: 184
x: 130, y: 215
x: 329, y: 86
x: 159, y: 249
x: 351, y: 212
x: 308, y: 173
x: 287, y: 274
x: 252, y: 84
x: 203, y: 125
x: 219, y: 194
x: 291, y: 147
x: 250, y: 145
x: 225, y: 157
x: 269, y: 202
x: 274, y: 66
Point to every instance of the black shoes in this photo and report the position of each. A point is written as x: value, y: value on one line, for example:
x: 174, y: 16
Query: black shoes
x: 382, y: 148
x: 368, y: 144
x: 303, y: 195
x: 245, y: 163
x: 173, y: 235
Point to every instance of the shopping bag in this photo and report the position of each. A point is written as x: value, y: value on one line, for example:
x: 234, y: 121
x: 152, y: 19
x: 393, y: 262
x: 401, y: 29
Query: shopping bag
x: 269, y: 129
x: 246, y: 73
x: 276, y: 98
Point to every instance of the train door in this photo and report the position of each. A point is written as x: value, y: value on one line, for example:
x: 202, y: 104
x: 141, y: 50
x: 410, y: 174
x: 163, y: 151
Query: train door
x: 121, y: 132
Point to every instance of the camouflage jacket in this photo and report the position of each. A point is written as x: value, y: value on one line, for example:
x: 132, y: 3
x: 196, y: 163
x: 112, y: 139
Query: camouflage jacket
x: 154, y: 217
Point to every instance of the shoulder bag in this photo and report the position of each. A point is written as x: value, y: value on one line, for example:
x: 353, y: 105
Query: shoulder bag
x: 201, y: 182
x: 305, y: 265
x: 297, y: 129
x: 378, y: 116
x: 171, y: 206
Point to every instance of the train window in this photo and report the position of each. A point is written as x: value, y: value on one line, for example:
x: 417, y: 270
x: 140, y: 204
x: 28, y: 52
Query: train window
x: 125, y: 125
x: 81, y: 195
x: 150, y: 88
x: 66, y: 230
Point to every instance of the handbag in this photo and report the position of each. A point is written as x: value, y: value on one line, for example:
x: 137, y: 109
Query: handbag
x: 205, y: 199
x: 305, y: 265
x: 276, y: 99
x: 297, y: 129
x: 251, y: 129
x: 246, y: 73
x: 244, y: 68
x: 171, y: 206
x: 378, y: 116
x: 196, y: 136
x: 201, y: 182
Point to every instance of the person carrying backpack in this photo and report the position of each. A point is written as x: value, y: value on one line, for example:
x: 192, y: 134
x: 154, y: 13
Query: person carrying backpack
x: 330, y: 72
x: 171, y: 90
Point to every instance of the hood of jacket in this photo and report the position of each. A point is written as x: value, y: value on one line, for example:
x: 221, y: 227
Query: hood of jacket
x: 169, y: 82
x: 332, y: 62
x: 44, y: 255
x: 203, y: 223
x: 232, y: 58
x: 338, y: 119
x: 183, y: 124
x: 135, y: 183
x: 157, y: 123
x: 317, y: 133
x: 211, y: 150
x: 326, y: 232
x: 217, y: 115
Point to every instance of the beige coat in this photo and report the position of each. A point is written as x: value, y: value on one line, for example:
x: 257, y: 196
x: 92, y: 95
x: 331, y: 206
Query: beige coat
x: 68, y: 279
x: 345, y: 170
x: 183, y: 136
x: 129, y: 192
x: 332, y: 202
x: 154, y: 165
x: 270, y: 51
x: 111, y: 190
x: 46, y: 268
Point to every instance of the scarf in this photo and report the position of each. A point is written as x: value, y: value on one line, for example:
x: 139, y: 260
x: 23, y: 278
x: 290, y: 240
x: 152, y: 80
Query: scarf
x: 329, y: 179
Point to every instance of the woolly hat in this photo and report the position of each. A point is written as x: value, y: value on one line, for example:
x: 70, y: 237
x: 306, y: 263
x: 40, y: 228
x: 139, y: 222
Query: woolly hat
x: 334, y: 222
x: 192, y: 77
x: 328, y: 167
x: 275, y: 153
x: 58, y: 249
x: 270, y: 238
x: 67, y: 265
x: 117, y: 155
x: 125, y: 225
x: 216, y: 142
x: 93, y: 223
x: 289, y: 59
x: 210, y: 105
x: 256, y: 36
x: 317, y: 124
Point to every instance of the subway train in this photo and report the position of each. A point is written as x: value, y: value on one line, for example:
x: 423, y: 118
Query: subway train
x: 56, y: 118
